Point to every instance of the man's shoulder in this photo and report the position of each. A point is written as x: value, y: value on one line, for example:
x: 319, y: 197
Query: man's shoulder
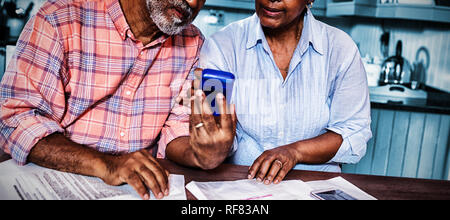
x: 191, y: 31
x: 190, y: 36
x: 65, y: 8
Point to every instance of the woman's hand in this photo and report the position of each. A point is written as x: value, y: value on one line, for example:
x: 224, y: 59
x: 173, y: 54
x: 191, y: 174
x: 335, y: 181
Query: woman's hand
x: 273, y: 165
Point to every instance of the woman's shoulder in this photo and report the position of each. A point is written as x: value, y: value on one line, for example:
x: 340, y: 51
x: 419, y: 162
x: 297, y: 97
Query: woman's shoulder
x: 336, y: 39
x: 237, y: 30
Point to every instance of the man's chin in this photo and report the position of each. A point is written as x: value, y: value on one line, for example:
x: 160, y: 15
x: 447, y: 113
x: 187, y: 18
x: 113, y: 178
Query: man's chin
x: 173, y: 30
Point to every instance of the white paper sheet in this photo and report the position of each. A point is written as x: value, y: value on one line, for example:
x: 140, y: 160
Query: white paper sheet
x: 342, y: 184
x: 32, y: 182
x: 250, y: 190
x: 286, y: 190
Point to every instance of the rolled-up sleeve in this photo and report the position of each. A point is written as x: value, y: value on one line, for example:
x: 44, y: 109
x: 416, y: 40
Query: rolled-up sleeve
x: 32, y: 94
x: 177, y: 124
x: 350, y: 110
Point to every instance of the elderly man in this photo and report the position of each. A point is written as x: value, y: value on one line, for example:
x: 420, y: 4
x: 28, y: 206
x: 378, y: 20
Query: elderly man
x: 93, y: 85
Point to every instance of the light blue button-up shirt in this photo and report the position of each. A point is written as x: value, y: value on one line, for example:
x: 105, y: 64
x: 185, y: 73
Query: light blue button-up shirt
x: 325, y: 89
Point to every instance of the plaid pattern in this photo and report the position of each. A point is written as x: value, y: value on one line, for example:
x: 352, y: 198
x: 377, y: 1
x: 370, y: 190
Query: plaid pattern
x: 79, y: 70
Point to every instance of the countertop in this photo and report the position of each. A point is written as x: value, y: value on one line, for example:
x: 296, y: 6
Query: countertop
x: 437, y: 102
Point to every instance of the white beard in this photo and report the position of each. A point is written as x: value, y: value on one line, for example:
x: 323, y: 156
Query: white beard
x: 169, y: 24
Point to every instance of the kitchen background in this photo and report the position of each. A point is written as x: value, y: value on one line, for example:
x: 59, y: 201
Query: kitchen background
x: 405, y: 46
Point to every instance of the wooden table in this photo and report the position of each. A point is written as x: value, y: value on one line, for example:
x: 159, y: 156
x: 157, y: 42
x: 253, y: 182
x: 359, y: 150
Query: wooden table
x: 381, y: 187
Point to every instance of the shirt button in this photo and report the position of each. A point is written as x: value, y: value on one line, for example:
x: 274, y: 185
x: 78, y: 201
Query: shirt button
x: 141, y: 53
x: 128, y: 93
x: 122, y: 134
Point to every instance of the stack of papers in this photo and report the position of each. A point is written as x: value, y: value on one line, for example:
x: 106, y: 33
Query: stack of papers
x: 32, y: 182
x: 286, y: 190
x: 250, y: 190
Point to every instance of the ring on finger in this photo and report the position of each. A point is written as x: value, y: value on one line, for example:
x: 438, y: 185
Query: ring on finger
x: 279, y: 163
x: 199, y: 125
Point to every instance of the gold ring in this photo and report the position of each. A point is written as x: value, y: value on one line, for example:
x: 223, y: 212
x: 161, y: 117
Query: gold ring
x: 199, y: 125
x: 281, y: 163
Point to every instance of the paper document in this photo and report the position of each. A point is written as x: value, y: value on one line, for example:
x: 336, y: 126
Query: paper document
x: 32, y: 182
x: 342, y: 184
x: 250, y: 190
x: 286, y: 190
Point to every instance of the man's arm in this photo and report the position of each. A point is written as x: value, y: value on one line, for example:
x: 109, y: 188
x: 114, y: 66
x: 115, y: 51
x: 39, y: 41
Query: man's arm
x: 139, y: 169
x: 181, y: 152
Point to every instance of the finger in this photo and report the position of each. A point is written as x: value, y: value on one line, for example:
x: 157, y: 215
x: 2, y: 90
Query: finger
x: 274, y: 169
x: 134, y: 181
x: 233, y: 117
x: 198, y: 102
x: 255, y: 166
x: 161, y: 174
x: 195, y: 117
x: 226, y: 122
x: 263, y: 169
x: 208, y: 118
x: 184, y: 98
x: 150, y: 181
x: 197, y: 79
x: 281, y: 174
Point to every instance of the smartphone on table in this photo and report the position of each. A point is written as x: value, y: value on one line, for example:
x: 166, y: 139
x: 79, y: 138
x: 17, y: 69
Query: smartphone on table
x: 214, y: 82
x: 332, y: 194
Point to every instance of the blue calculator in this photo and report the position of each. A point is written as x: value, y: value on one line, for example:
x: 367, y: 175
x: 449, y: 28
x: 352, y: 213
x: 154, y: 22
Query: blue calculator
x: 214, y: 82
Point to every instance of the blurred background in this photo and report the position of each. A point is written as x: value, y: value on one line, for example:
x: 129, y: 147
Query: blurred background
x: 405, y: 47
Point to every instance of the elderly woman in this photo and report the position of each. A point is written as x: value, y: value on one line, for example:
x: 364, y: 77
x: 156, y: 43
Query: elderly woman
x: 300, y: 94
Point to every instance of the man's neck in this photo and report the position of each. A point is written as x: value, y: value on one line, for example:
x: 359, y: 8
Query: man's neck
x: 138, y: 18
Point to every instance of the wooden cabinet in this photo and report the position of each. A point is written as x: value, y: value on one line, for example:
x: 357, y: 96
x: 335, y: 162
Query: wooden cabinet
x: 409, y: 10
x: 406, y: 144
x: 413, y: 10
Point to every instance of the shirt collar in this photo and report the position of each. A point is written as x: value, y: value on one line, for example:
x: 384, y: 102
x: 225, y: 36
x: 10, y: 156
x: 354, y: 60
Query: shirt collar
x: 118, y: 18
x: 115, y: 11
x: 311, y: 33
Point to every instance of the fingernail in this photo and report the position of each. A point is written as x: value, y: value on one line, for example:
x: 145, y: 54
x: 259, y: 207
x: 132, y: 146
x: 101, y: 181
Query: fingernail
x: 146, y: 197
x: 166, y: 192
x: 220, y: 96
x: 160, y: 195
x: 199, y: 93
x: 259, y: 179
x: 275, y: 182
x: 249, y: 176
x: 267, y: 182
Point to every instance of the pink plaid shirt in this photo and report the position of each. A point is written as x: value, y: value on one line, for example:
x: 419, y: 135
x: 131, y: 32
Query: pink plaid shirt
x: 79, y: 70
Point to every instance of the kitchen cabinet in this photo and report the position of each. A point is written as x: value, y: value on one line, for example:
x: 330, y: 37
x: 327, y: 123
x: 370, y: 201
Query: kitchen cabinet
x: 376, y: 9
x: 318, y: 9
x: 237, y: 4
x: 406, y: 144
x: 409, y: 10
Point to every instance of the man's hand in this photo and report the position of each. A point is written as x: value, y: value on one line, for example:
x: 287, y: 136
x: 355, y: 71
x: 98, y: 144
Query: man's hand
x: 140, y: 170
x: 210, y: 140
x: 210, y: 137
